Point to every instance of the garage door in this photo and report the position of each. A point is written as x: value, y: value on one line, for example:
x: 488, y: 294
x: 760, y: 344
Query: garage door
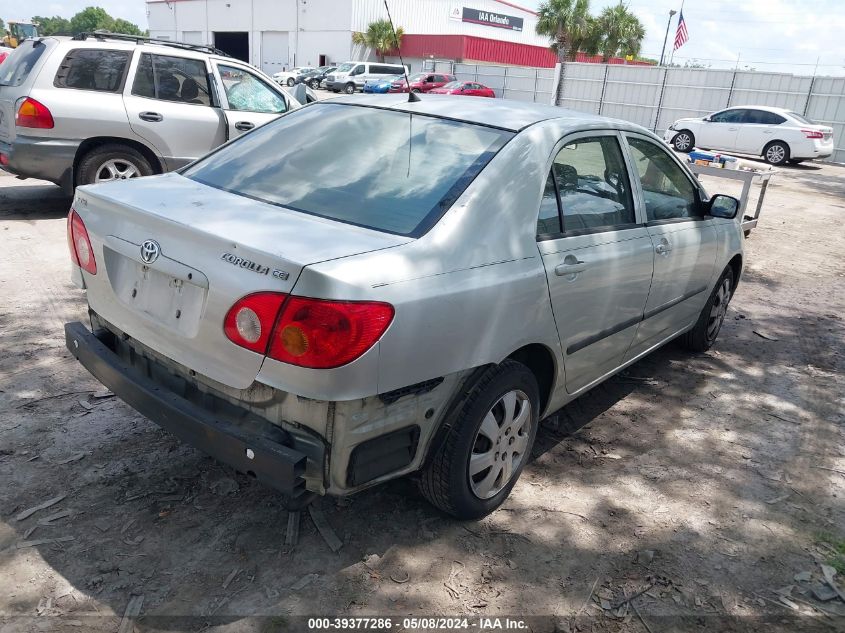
x: 274, y: 51
x: 192, y: 37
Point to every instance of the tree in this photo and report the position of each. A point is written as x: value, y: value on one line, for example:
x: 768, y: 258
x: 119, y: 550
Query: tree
x: 90, y: 20
x: 622, y: 33
x: 379, y: 37
x: 565, y: 22
x: 52, y: 26
x: 125, y: 26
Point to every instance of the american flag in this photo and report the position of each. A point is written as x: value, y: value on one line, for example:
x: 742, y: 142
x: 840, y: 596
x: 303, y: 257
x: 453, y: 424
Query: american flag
x: 681, y: 35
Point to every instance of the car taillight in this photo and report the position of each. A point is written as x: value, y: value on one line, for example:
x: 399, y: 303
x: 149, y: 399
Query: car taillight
x: 32, y: 113
x: 314, y: 333
x: 322, y: 334
x: 812, y: 134
x: 79, y: 244
x: 249, y: 322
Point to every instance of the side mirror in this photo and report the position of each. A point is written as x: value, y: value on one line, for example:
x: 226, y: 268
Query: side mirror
x: 722, y: 206
x: 707, y: 119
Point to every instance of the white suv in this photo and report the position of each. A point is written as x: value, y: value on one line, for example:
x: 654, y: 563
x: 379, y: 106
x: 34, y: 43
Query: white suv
x: 108, y: 107
x: 776, y: 134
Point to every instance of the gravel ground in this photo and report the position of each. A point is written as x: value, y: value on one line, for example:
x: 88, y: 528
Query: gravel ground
x: 713, y: 481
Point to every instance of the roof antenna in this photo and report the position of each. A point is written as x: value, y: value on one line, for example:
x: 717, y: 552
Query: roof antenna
x: 412, y: 96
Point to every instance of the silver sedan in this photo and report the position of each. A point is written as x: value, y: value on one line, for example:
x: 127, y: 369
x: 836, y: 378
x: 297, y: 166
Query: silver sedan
x: 369, y: 287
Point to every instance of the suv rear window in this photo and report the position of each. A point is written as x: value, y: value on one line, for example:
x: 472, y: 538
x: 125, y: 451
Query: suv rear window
x: 386, y: 170
x: 93, y: 69
x: 16, y: 67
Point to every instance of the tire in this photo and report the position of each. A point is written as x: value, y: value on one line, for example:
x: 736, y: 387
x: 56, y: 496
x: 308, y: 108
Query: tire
x: 349, y: 88
x: 446, y: 480
x: 313, y: 84
x: 417, y: 90
x: 291, y: 82
x: 684, y: 141
x: 119, y: 161
x: 776, y: 153
x: 703, y: 335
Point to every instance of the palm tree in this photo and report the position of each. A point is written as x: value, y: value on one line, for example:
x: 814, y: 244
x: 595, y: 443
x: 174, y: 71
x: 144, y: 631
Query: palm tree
x: 379, y: 37
x: 567, y: 23
x: 622, y: 33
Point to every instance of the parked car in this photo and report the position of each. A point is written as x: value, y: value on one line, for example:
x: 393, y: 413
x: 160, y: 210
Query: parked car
x: 383, y: 85
x: 106, y: 107
x: 324, y: 330
x: 422, y: 82
x: 351, y: 76
x: 778, y: 135
x: 289, y: 77
x: 314, y: 78
x: 465, y: 88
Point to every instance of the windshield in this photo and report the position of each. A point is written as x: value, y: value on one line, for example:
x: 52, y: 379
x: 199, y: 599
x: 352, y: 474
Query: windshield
x: 391, y: 171
x: 16, y: 67
x: 801, y: 118
x: 452, y: 85
x: 345, y: 68
x: 418, y: 76
x: 24, y: 30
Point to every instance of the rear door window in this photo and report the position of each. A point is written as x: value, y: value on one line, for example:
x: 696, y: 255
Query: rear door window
x: 17, y: 66
x: 168, y: 78
x: 93, y: 69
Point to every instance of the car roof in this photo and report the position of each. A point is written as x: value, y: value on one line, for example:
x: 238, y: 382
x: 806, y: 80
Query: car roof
x: 759, y: 107
x: 502, y: 113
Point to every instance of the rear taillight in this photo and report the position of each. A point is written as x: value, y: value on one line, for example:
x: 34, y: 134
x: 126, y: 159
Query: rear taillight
x: 249, y: 322
x: 812, y: 134
x: 315, y: 333
x: 79, y: 244
x: 32, y: 113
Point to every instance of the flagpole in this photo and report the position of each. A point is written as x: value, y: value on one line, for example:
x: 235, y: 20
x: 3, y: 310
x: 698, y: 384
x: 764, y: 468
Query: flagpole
x: 680, y: 13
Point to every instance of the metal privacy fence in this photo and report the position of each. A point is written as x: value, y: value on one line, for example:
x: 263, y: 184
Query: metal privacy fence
x: 655, y: 97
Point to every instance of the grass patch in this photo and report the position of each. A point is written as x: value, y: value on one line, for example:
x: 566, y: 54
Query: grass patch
x: 837, y: 557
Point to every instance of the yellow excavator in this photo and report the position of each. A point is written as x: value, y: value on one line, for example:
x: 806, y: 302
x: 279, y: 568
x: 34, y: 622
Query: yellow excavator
x: 16, y: 32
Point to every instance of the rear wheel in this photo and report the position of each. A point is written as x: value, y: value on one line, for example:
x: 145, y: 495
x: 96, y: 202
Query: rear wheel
x: 702, y: 337
x: 776, y: 153
x: 417, y: 90
x: 349, y: 88
x: 684, y: 141
x: 487, y: 444
x: 112, y: 162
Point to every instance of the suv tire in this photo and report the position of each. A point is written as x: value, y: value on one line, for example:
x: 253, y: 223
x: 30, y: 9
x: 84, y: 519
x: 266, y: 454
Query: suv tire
x: 119, y: 161
x: 703, y: 335
x: 446, y: 480
x: 349, y: 88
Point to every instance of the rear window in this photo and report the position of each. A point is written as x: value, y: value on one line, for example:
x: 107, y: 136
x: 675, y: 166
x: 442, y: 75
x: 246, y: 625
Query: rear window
x: 798, y: 117
x: 16, y: 67
x: 93, y: 69
x: 390, y: 171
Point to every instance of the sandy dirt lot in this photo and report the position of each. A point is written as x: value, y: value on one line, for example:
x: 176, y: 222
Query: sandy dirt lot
x: 714, y: 484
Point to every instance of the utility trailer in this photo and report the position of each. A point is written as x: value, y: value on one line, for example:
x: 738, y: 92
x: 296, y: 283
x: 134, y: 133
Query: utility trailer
x: 747, y: 177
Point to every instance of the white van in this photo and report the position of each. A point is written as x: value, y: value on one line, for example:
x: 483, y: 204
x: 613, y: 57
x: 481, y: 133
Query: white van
x: 350, y: 76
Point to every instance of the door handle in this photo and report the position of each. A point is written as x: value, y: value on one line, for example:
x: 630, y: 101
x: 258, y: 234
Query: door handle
x: 243, y: 126
x: 570, y: 267
x: 152, y: 117
x: 663, y: 248
x: 732, y: 129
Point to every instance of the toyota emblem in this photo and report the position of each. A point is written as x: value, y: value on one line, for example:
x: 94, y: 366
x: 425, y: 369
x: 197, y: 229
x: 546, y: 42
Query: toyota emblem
x: 150, y: 250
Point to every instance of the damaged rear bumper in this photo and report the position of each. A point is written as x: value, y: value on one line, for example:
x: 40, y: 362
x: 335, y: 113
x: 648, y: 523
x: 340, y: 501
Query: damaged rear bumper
x: 272, y: 460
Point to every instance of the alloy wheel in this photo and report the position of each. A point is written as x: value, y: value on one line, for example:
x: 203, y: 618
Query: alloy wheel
x: 500, y: 445
x: 719, y: 309
x: 682, y: 142
x: 116, y: 169
x: 775, y: 154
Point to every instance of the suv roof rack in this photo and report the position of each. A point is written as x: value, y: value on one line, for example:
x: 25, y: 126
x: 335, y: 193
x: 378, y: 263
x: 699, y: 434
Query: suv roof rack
x: 139, y: 39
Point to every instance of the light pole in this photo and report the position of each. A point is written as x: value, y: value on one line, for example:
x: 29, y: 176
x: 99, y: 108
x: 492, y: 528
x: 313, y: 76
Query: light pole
x: 666, y: 37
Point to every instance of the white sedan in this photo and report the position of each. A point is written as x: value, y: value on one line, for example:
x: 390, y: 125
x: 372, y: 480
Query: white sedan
x: 288, y: 77
x: 776, y: 134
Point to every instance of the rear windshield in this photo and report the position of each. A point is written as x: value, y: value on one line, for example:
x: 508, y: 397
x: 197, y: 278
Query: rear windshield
x: 391, y: 171
x: 16, y: 67
x: 801, y: 118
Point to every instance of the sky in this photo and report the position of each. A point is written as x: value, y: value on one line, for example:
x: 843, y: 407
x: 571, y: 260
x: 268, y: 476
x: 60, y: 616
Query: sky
x: 774, y: 35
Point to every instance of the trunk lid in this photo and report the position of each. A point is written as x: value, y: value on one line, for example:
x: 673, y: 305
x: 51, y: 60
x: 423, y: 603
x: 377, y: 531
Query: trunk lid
x: 212, y: 248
